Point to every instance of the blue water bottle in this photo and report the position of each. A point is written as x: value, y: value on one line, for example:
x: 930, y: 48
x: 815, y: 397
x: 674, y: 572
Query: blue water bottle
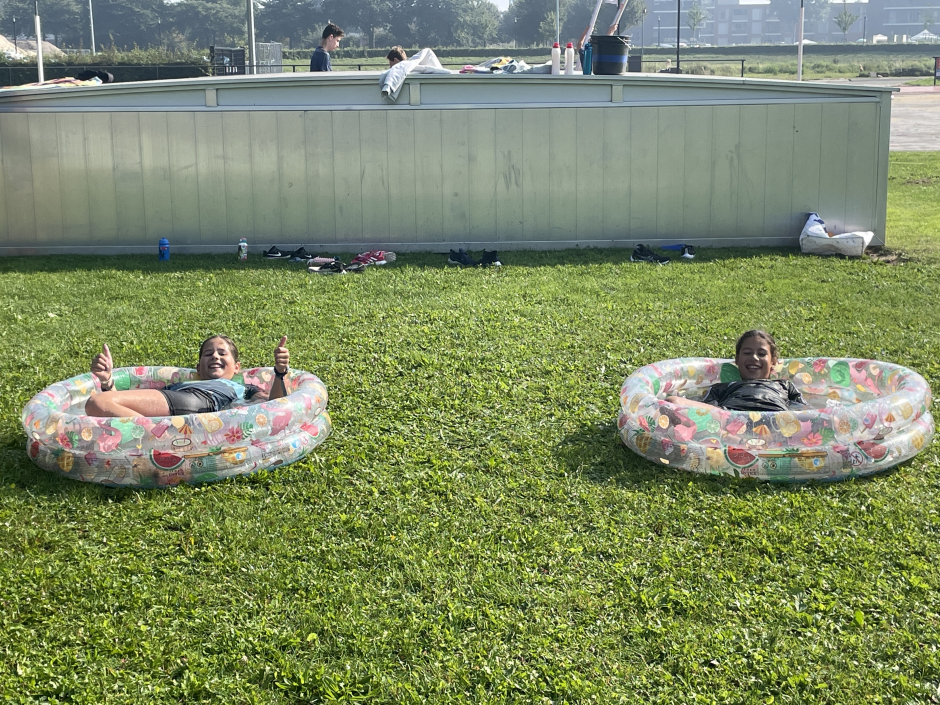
x: 164, y: 248
x: 587, y: 59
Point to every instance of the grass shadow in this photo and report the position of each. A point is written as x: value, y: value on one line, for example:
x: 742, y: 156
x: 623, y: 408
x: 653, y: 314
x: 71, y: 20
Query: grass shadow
x: 596, y: 453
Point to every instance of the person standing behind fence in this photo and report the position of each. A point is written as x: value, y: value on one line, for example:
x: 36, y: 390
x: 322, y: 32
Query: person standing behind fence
x: 396, y: 56
x: 320, y: 61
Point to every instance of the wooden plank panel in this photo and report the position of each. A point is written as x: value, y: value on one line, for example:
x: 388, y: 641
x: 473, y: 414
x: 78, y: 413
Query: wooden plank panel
x: 184, y: 181
x: 155, y: 172
x: 455, y: 158
x: 563, y: 207
x: 644, y: 166
x: 617, y: 167
x: 5, y: 239
x: 321, y: 183
x: 807, y: 151
x: 778, y: 179
x: 210, y: 172
x: 44, y: 150
x: 429, y: 213
x: 510, y: 163
x: 401, y: 186
x: 102, y: 190
x: 482, y: 174
x: 725, y: 170
x: 536, y: 174
x: 292, y: 176
x: 753, y: 171
x: 18, y: 178
x: 696, y: 186
x: 73, y: 178
x: 670, y: 173
x: 375, y: 175
x: 588, y: 172
x: 834, y: 158
x: 265, y: 175
x: 239, y: 200
x: 861, y: 191
x: 128, y: 180
x: 347, y: 172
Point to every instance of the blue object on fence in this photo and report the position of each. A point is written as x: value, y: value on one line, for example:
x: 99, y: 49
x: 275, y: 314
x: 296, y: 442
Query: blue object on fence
x: 587, y: 59
x: 164, y: 248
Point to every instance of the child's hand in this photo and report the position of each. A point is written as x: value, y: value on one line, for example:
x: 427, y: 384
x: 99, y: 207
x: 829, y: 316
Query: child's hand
x: 101, y: 366
x: 281, y: 356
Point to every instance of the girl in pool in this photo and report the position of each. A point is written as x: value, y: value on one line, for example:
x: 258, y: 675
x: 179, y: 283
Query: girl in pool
x: 214, y: 390
x: 755, y: 356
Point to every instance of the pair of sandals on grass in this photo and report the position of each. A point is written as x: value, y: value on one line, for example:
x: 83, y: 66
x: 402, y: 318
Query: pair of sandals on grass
x: 333, y: 265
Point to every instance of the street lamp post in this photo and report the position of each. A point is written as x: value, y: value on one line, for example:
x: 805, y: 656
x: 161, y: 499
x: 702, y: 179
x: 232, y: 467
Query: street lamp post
x: 678, y: 26
x: 799, y: 45
x: 15, y: 47
x: 865, y: 28
x: 659, y: 31
x: 39, y: 66
x: 91, y: 23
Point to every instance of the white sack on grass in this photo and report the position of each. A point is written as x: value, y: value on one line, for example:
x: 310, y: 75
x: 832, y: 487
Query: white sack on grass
x: 814, y: 240
x: 425, y: 61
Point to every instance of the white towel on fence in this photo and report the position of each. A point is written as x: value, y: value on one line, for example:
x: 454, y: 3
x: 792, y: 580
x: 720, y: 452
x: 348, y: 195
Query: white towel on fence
x: 425, y: 61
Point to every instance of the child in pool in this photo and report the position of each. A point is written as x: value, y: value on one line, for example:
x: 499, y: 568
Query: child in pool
x: 213, y: 390
x: 755, y: 356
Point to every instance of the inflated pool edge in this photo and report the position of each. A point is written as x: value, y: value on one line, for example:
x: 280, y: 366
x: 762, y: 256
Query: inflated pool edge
x: 877, y: 415
x: 163, y: 451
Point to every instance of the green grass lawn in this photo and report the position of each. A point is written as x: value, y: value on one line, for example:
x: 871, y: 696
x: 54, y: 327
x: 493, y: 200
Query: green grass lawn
x: 473, y: 531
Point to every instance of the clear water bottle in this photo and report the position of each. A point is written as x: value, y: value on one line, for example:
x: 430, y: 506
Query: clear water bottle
x: 243, y: 250
x: 163, y: 249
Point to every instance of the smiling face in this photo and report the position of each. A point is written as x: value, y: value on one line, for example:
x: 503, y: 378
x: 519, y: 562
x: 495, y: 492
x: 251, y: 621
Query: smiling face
x: 216, y: 360
x: 755, y: 358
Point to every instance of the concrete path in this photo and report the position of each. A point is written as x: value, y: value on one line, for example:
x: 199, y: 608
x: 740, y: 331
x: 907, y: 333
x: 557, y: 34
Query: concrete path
x: 915, y: 113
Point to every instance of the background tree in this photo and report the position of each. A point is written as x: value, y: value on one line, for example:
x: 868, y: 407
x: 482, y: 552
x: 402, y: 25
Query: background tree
x: 67, y: 20
x: 478, y: 23
x: 579, y: 14
x: 695, y: 17
x: 297, y: 23
x: 368, y: 16
x: 208, y: 22
x: 844, y: 20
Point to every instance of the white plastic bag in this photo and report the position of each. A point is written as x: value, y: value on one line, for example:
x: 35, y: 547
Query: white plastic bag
x: 814, y: 240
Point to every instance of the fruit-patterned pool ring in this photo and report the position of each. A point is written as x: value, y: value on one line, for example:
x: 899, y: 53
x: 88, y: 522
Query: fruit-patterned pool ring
x: 872, y: 415
x: 161, y: 451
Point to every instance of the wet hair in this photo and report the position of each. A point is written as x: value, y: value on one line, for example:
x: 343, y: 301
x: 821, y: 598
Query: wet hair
x: 228, y: 341
x: 396, y: 53
x: 760, y: 335
x: 331, y: 30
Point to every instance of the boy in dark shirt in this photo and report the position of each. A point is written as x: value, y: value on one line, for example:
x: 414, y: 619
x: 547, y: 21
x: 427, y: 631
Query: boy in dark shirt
x: 320, y: 61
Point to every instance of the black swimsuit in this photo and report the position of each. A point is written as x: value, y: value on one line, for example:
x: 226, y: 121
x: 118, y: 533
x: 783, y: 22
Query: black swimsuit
x: 755, y: 395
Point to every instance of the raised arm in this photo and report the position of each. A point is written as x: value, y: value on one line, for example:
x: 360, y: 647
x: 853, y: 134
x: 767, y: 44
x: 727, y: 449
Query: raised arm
x: 102, y: 366
x: 281, y: 362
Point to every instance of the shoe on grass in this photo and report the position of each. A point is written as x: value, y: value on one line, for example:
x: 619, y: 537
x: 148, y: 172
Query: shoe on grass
x: 377, y: 257
x: 334, y: 267
x: 300, y: 255
x: 688, y: 252
x: 274, y: 253
x: 641, y: 253
x: 319, y: 261
x: 461, y: 257
x: 490, y: 258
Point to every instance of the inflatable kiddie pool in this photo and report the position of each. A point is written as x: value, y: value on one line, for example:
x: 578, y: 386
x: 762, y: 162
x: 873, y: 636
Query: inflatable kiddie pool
x: 161, y: 451
x: 867, y: 416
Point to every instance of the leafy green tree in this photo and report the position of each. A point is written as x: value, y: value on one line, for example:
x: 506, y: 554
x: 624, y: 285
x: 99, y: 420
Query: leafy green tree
x: 695, y: 17
x: 297, y: 23
x: 124, y: 25
x: 478, y: 23
x: 67, y: 20
x: 844, y: 20
x: 367, y: 16
x: 209, y: 22
x: 532, y: 18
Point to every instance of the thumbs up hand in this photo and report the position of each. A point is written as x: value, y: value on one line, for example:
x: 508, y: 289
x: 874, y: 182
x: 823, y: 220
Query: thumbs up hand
x: 101, y: 367
x: 281, y: 356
